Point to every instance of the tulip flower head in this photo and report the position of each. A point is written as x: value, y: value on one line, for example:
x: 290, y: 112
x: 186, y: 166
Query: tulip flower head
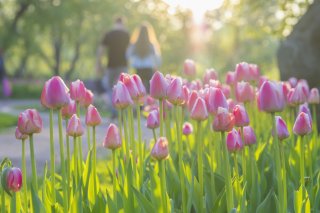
x: 30, y: 122
x: 153, y: 120
x: 305, y: 108
x: 231, y: 78
x: 192, y: 99
x: 187, y: 128
x: 199, y: 111
x: 270, y: 97
x: 297, y: 96
x: 249, y: 136
x: 223, y: 121
x: 241, y: 116
x: 215, y: 99
x: 74, y: 128
x: 158, y: 86
x: 281, y: 127
x: 77, y: 91
x: 234, y: 142
x: 93, y: 117
x: 242, y: 72
x: 302, y: 125
x: 314, y: 97
x: 120, y: 96
x: 11, y: 179
x: 244, y: 92
x: 210, y: 74
x: 131, y: 85
x: 112, y: 139
x: 19, y: 135
x: 175, y: 92
x: 141, y: 88
x: 88, y: 98
x: 68, y: 110
x: 160, y: 150
x: 55, y: 93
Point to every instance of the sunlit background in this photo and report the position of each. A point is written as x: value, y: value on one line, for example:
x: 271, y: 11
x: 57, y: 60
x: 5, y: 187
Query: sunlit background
x: 47, y: 37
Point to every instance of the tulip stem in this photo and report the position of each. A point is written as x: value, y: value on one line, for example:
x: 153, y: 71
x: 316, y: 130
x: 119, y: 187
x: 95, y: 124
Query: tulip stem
x: 75, y: 159
x: 162, y: 172
x: 88, y: 138
x: 244, y: 160
x: 161, y: 116
x: 3, y: 201
x: 126, y: 137
x: 80, y: 141
x: 94, y: 170
x: 302, y: 163
x: 140, y: 144
x: 133, y: 143
x: 114, y: 178
x: 24, y: 176
x: 180, y: 153
x: 154, y: 135
x: 63, y: 170
x: 213, y: 185
x: 284, y: 177
x: 52, y: 161
x: 200, y: 164
x: 236, y: 174
x: 315, y: 131
x: 278, y: 163
x: 228, y: 181
x: 68, y: 159
x: 33, y: 164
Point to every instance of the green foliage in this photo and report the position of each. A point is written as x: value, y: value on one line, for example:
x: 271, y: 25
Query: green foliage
x: 7, y: 120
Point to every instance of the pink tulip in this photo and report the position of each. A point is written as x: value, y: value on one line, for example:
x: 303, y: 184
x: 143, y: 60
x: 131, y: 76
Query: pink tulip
x: 231, y: 104
x: 160, y: 150
x: 223, y: 121
x: 189, y: 68
x: 112, y: 139
x: 68, y: 110
x: 249, y: 136
x: 120, y: 96
x: 13, y: 179
x: 192, y: 99
x: 30, y: 122
x: 262, y: 79
x: 305, y: 108
x: 187, y: 128
x: 302, y: 125
x: 93, y: 117
x: 153, y: 119
x: 19, y: 135
x: 293, y: 81
x: 158, y: 86
x: 270, y: 97
x: 74, y: 128
x: 243, y: 72
x: 77, y: 91
x: 240, y: 116
x: 175, y: 93
x: 282, y: 130
x: 230, y: 78
x: 226, y: 90
x: 215, y: 99
x: 254, y: 72
x: 55, y: 93
x: 141, y: 88
x: 128, y: 81
x: 210, y: 74
x: 88, y: 98
x: 297, y: 95
x: 215, y: 84
x: 199, y: 111
x: 244, y: 92
x: 314, y: 97
x: 234, y: 142
x: 186, y: 93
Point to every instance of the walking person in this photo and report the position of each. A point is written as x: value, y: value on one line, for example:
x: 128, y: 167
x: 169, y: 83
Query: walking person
x: 144, y: 53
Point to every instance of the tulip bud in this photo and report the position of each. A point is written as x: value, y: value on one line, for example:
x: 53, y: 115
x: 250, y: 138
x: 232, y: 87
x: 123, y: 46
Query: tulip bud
x: 223, y: 121
x: 19, y: 135
x: 55, y: 93
x: 74, y: 128
x: 29, y: 122
x: 77, y: 91
x: 243, y: 72
x: 281, y: 127
x: 160, y: 150
x: 68, y: 110
x: 254, y: 72
x: 302, y: 125
x: 187, y: 128
x: 112, y: 139
x: 192, y: 99
x: 120, y: 96
x: 293, y: 81
x: 240, y: 115
x: 305, y: 108
x: 215, y: 99
x: 189, y: 68
x: 199, y: 111
x: 186, y: 93
x: 130, y: 84
x: 93, y: 117
x: 231, y: 104
x: 210, y: 74
x: 244, y: 92
x: 270, y: 97
x: 297, y: 95
x: 153, y: 119
x: 158, y: 86
x: 234, y: 142
x: 314, y: 97
x: 141, y: 88
x: 226, y: 90
x: 230, y: 78
x: 88, y: 98
x: 175, y: 93
x: 249, y: 136
x: 11, y: 179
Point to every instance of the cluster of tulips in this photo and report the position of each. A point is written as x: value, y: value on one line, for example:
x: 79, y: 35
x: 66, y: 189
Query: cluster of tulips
x: 235, y: 159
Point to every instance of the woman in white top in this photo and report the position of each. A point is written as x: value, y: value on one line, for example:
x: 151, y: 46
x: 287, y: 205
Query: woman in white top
x: 143, y: 53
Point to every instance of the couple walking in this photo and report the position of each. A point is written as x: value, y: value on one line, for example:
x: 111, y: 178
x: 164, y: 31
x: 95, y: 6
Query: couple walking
x: 141, y: 52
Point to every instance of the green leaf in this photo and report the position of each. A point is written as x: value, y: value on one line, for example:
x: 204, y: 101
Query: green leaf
x: 268, y: 204
x: 301, y: 200
x: 144, y: 203
x: 36, y: 203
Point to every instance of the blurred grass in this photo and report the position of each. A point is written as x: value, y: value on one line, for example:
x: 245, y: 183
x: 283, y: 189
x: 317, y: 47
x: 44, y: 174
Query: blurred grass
x: 7, y: 120
x: 26, y: 90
